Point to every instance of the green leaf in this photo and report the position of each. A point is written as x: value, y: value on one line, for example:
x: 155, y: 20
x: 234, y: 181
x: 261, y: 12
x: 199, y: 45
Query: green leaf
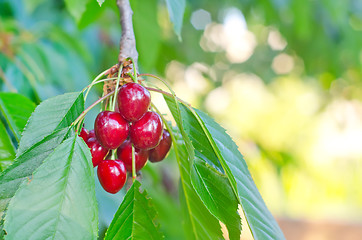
x: 176, y: 10
x: 76, y: 8
x: 16, y: 109
x: 25, y: 165
x: 218, y: 196
x: 207, y: 181
x: 52, y: 114
x: 7, y: 151
x: 59, y: 201
x: 148, y: 40
x: 199, y: 223
x: 100, y: 2
x: 134, y: 218
x: 260, y: 220
x: 215, y: 148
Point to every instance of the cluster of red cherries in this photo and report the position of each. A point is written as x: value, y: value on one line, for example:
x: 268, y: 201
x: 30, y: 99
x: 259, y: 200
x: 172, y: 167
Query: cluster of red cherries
x: 133, y: 124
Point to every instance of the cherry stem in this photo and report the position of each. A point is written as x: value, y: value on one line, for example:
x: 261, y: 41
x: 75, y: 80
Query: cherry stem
x: 93, y: 82
x: 116, y: 88
x: 134, y: 175
x: 168, y: 94
x: 81, y: 116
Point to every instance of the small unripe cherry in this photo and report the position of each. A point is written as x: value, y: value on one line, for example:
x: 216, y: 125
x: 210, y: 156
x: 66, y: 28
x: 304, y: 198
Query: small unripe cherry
x: 160, y: 152
x: 111, y: 129
x: 112, y: 175
x: 124, y: 153
x: 133, y: 101
x: 97, y: 150
x: 146, y: 133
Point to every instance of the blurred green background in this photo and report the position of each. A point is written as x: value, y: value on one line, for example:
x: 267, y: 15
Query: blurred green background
x: 284, y: 77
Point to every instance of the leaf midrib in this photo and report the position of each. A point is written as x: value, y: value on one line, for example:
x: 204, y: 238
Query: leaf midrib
x: 67, y: 170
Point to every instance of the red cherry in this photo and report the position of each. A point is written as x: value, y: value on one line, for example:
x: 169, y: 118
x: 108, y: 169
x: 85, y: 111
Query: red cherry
x: 97, y: 150
x: 146, y: 133
x: 124, y: 153
x: 112, y: 175
x: 133, y: 101
x: 111, y: 129
x: 159, y: 153
x: 91, y: 134
x: 84, y: 134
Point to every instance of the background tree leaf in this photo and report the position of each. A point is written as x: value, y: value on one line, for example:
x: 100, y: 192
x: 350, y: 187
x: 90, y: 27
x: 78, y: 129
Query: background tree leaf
x: 134, y: 218
x: 7, y: 151
x: 148, y: 38
x: 52, y: 114
x: 76, y: 8
x: 207, y: 175
x: 176, y: 10
x: 16, y: 110
x: 59, y: 200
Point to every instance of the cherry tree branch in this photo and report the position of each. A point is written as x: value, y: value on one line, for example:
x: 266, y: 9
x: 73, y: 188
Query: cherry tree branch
x: 127, y: 46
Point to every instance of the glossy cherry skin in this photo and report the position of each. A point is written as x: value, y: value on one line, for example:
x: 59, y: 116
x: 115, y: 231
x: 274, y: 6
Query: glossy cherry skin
x: 91, y: 134
x: 146, y: 133
x: 112, y: 175
x: 111, y: 129
x: 84, y: 134
x: 97, y: 150
x: 133, y: 101
x: 159, y: 153
x: 124, y: 153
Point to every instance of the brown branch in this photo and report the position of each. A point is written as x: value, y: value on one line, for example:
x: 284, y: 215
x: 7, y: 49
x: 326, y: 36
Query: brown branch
x: 127, y: 46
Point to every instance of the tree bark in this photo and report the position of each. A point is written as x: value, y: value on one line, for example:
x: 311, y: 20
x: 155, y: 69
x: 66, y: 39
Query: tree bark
x: 127, y: 46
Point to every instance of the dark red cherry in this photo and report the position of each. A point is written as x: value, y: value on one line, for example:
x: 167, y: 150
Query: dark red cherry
x: 84, y: 134
x: 112, y: 175
x: 97, y: 150
x: 159, y: 153
x: 146, y: 133
x: 124, y: 153
x: 111, y: 129
x: 91, y: 134
x: 133, y: 101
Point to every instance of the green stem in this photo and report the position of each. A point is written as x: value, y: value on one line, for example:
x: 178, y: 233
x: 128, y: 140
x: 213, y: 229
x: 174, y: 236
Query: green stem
x: 81, y: 116
x: 93, y: 82
x: 133, y: 165
x: 116, y: 88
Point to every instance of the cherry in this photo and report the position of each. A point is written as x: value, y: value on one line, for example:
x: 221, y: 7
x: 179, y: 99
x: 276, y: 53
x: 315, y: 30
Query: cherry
x: 97, y: 150
x: 146, y: 133
x: 111, y: 129
x: 84, y: 134
x: 133, y: 101
x: 112, y: 175
x: 159, y: 153
x: 124, y: 153
x: 91, y: 134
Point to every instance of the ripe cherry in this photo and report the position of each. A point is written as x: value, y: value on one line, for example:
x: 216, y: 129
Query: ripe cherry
x: 112, y: 175
x: 124, y: 153
x: 133, y: 101
x: 146, y: 133
x: 111, y: 129
x: 91, y: 134
x: 159, y: 153
x: 84, y: 134
x: 97, y: 150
